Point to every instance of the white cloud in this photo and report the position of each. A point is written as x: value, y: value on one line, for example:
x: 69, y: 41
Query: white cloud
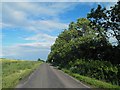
x: 13, y: 17
x: 32, y: 8
x: 37, y: 45
x: 48, y: 25
x: 23, y: 15
x: 42, y: 38
x: 38, y: 9
x: 39, y: 48
x: 19, y: 15
x: 5, y: 25
x: 25, y: 52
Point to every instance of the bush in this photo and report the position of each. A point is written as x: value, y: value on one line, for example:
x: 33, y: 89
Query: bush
x: 101, y: 70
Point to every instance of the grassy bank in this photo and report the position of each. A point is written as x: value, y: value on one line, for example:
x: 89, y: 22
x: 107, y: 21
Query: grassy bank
x: 15, y: 70
x: 93, y: 82
x: 100, y: 70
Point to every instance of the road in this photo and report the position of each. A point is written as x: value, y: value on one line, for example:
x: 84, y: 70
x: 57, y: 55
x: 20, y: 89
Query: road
x: 47, y: 76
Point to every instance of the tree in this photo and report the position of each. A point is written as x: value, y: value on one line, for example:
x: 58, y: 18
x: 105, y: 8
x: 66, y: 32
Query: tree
x: 106, y: 20
x: 73, y: 43
x: 88, y: 39
x: 39, y: 59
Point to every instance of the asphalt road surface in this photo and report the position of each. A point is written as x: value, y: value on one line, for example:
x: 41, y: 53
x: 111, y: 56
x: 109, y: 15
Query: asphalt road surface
x: 47, y: 76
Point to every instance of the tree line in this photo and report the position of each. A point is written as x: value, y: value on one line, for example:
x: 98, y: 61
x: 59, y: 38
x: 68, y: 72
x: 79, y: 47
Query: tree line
x: 88, y: 38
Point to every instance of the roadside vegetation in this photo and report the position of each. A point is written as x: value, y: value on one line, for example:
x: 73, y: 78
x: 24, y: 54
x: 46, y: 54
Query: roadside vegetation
x: 101, y: 70
x: 15, y: 70
x: 94, y: 83
x: 85, y: 48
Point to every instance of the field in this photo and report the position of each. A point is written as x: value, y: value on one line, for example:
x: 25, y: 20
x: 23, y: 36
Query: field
x: 15, y: 70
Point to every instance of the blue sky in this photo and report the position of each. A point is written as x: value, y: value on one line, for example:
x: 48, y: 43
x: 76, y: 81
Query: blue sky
x: 30, y: 28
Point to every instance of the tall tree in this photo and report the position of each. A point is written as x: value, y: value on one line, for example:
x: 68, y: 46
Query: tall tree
x: 104, y: 20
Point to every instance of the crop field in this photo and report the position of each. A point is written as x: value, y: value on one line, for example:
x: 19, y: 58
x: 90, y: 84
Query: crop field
x: 15, y: 70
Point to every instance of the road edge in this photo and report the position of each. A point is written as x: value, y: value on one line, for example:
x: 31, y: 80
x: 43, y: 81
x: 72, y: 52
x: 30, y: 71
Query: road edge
x: 74, y: 79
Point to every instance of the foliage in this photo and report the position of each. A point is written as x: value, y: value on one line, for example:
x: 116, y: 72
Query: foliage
x: 82, y: 42
x: 15, y: 70
x: 93, y: 82
x: 106, y: 19
x: 101, y: 70
x: 39, y: 59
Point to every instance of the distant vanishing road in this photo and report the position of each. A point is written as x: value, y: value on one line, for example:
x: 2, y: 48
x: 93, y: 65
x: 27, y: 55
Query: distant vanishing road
x: 47, y: 76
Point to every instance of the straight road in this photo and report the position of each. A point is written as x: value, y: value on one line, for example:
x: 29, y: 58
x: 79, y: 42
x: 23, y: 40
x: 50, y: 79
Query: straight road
x: 47, y: 76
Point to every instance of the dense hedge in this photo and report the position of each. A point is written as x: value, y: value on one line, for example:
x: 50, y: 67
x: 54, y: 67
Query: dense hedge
x: 101, y: 70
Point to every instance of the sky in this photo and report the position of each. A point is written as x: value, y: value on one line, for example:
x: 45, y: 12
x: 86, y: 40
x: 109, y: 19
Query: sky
x: 30, y: 28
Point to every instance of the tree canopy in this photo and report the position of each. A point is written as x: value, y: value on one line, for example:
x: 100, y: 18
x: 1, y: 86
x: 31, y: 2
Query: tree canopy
x: 107, y: 20
x: 87, y: 38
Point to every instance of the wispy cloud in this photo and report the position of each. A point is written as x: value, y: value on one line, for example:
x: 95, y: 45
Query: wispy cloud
x: 47, y: 25
x: 28, y: 52
x: 41, y: 37
x: 40, y: 18
x: 39, y: 48
x: 23, y: 15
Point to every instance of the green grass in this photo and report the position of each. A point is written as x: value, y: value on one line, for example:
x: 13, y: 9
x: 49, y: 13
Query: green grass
x: 93, y: 82
x: 15, y: 70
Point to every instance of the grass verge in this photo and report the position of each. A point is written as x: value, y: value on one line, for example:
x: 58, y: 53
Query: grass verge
x: 15, y: 70
x: 93, y: 82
